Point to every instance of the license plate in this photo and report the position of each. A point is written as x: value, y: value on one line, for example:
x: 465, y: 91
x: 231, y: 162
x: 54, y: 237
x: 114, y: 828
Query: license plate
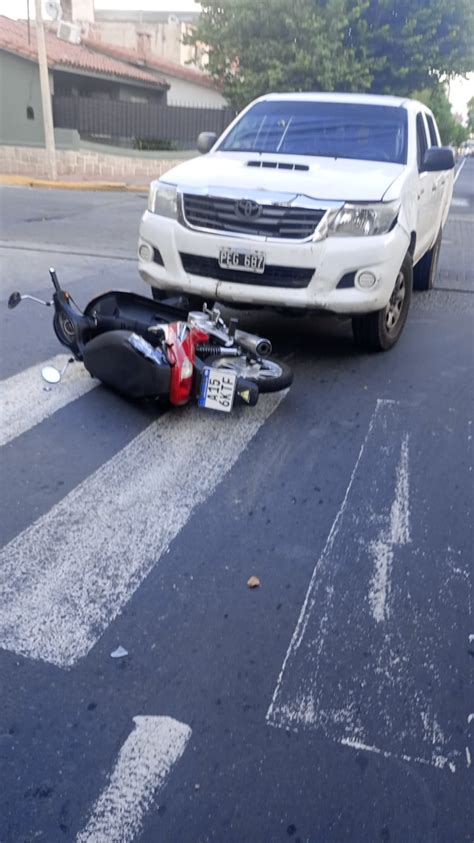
x: 217, y: 389
x: 245, y: 261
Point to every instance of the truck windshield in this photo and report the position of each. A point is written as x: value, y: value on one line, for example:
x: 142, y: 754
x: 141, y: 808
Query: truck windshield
x: 328, y: 129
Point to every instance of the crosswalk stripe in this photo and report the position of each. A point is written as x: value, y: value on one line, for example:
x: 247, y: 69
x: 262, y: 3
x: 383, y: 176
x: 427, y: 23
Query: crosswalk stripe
x: 26, y: 399
x: 142, y: 767
x: 67, y: 576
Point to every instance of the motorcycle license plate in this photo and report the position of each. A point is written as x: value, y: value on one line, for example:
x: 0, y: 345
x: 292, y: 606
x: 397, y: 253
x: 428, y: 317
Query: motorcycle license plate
x: 244, y: 261
x: 217, y: 389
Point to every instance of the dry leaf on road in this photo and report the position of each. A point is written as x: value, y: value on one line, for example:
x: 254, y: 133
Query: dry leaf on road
x: 253, y: 582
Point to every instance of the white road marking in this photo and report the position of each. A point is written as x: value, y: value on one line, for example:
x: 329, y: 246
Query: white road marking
x: 459, y: 171
x: 459, y: 202
x: 365, y: 683
x: 398, y: 533
x: 142, y: 767
x: 26, y: 399
x: 65, y: 578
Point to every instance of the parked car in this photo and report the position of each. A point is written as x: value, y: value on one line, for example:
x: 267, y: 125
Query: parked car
x: 332, y: 202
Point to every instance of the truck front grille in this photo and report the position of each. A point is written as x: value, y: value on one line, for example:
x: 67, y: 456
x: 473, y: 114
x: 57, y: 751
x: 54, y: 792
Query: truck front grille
x: 273, y: 276
x: 279, y: 221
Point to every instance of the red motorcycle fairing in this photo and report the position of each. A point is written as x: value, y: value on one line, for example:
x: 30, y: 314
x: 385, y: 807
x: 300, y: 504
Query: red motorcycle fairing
x: 180, y: 344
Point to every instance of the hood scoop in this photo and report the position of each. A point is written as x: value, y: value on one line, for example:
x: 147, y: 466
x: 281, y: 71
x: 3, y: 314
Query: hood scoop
x: 277, y: 165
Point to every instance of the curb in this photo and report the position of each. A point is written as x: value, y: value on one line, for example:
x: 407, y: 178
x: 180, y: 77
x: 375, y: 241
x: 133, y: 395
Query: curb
x: 27, y: 181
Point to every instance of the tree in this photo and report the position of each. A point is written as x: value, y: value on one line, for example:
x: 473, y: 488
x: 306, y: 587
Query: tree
x: 470, y: 115
x: 256, y: 46
x: 450, y: 130
x: 413, y: 44
x: 385, y: 46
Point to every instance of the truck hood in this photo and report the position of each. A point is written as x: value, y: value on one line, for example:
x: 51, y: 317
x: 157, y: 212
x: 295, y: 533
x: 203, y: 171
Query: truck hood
x: 331, y: 179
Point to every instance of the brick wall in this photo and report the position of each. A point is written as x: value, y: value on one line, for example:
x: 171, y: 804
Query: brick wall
x: 82, y: 165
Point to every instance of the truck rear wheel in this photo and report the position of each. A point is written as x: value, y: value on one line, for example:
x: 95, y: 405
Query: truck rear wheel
x: 424, y: 273
x: 380, y: 330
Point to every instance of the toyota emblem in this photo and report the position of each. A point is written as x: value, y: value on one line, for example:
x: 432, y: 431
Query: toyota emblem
x: 247, y: 209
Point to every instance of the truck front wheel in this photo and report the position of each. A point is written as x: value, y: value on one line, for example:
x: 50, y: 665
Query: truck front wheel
x: 380, y: 330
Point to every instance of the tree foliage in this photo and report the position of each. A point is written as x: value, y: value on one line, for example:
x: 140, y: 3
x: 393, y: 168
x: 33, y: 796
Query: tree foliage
x: 450, y: 130
x: 414, y: 44
x: 256, y: 46
x: 470, y: 115
x: 384, y: 46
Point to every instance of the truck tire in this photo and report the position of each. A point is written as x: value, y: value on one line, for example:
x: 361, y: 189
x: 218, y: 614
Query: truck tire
x: 380, y: 330
x: 424, y: 273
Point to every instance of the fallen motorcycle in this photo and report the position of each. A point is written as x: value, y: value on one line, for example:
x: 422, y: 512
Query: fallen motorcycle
x: 155, y: 350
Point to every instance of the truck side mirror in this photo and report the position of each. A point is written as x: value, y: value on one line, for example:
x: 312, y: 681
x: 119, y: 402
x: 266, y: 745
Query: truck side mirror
x: 206, y: 141
x: 438, y: 158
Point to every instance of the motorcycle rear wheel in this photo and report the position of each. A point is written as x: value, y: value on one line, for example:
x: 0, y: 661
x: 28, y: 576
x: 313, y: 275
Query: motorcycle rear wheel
x: 269, y: 374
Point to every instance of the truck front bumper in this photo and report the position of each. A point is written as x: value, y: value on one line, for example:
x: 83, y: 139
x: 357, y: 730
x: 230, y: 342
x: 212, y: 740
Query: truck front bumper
x: 345, y: 261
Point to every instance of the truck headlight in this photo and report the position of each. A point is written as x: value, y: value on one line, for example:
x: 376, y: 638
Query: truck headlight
x: 364, y: 220
x: 162, y: 199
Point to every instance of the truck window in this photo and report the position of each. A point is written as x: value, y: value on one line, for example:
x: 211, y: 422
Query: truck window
x: 325, y: 129
x: 432, y: 130
x: 421, y: 141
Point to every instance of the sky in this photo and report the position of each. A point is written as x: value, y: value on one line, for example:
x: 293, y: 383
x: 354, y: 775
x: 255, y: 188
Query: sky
x: 460, y: 90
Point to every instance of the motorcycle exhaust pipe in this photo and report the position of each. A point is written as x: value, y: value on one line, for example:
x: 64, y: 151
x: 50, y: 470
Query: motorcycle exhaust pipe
x: 259, y: 346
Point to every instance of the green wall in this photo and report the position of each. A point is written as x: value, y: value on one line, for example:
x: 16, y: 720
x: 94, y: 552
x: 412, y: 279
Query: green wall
x: 20, y: 89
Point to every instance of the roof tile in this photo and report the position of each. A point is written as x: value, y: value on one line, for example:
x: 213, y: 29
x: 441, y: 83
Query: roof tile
x: 153, y: 63
x: 14, y: 38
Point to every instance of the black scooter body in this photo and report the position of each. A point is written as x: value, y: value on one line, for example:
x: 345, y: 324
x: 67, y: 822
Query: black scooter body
x: 131, y: 307
x: 118, y: 337
x: 113, y: 358
x: 115, y: 310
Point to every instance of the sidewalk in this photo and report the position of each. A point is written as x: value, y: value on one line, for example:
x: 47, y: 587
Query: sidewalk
x: 69, y: 183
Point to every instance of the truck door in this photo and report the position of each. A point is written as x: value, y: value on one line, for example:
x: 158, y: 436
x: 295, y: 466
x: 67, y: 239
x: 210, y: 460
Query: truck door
x: 443, y: 181
x: 428, y: 198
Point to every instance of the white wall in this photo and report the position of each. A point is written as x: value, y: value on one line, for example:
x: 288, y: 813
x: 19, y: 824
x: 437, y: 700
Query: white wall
x: 83, y: 10
x: 182, y: 92
x: 160, y: 40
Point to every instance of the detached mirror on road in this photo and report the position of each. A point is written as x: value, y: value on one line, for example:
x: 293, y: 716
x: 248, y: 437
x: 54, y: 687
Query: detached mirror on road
x: 206, y: 141
x: 53, y: 375
x: 50, y: 374
x: 438, y: 158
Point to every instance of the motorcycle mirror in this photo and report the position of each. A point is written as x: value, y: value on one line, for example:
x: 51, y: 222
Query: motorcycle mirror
x: 53, y: 375
x: 14, y: 300
x: 50, y: 374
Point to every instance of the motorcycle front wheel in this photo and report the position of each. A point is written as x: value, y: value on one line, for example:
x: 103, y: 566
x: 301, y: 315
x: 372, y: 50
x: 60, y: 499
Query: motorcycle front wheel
x: 269, y: 374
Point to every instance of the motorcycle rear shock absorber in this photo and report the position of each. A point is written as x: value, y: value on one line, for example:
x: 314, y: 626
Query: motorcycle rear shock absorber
x: 210, y: 350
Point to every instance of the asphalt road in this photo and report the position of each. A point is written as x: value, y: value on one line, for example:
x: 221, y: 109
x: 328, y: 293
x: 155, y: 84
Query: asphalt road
x: 333, y: 703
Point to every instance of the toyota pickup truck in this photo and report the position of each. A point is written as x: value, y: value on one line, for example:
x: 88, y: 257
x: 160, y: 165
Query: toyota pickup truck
x: 310, y: 201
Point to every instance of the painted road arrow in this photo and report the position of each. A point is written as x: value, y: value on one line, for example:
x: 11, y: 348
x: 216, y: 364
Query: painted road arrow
x: 371, y: 661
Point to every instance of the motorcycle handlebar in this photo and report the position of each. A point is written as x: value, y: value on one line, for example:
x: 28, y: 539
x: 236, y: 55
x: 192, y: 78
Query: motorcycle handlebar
x: 54, y: 279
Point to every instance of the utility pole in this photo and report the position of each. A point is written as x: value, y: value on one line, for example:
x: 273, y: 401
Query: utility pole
x: 45, y: 94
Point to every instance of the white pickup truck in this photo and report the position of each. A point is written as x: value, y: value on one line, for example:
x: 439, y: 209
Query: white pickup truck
x: 332, y: 202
